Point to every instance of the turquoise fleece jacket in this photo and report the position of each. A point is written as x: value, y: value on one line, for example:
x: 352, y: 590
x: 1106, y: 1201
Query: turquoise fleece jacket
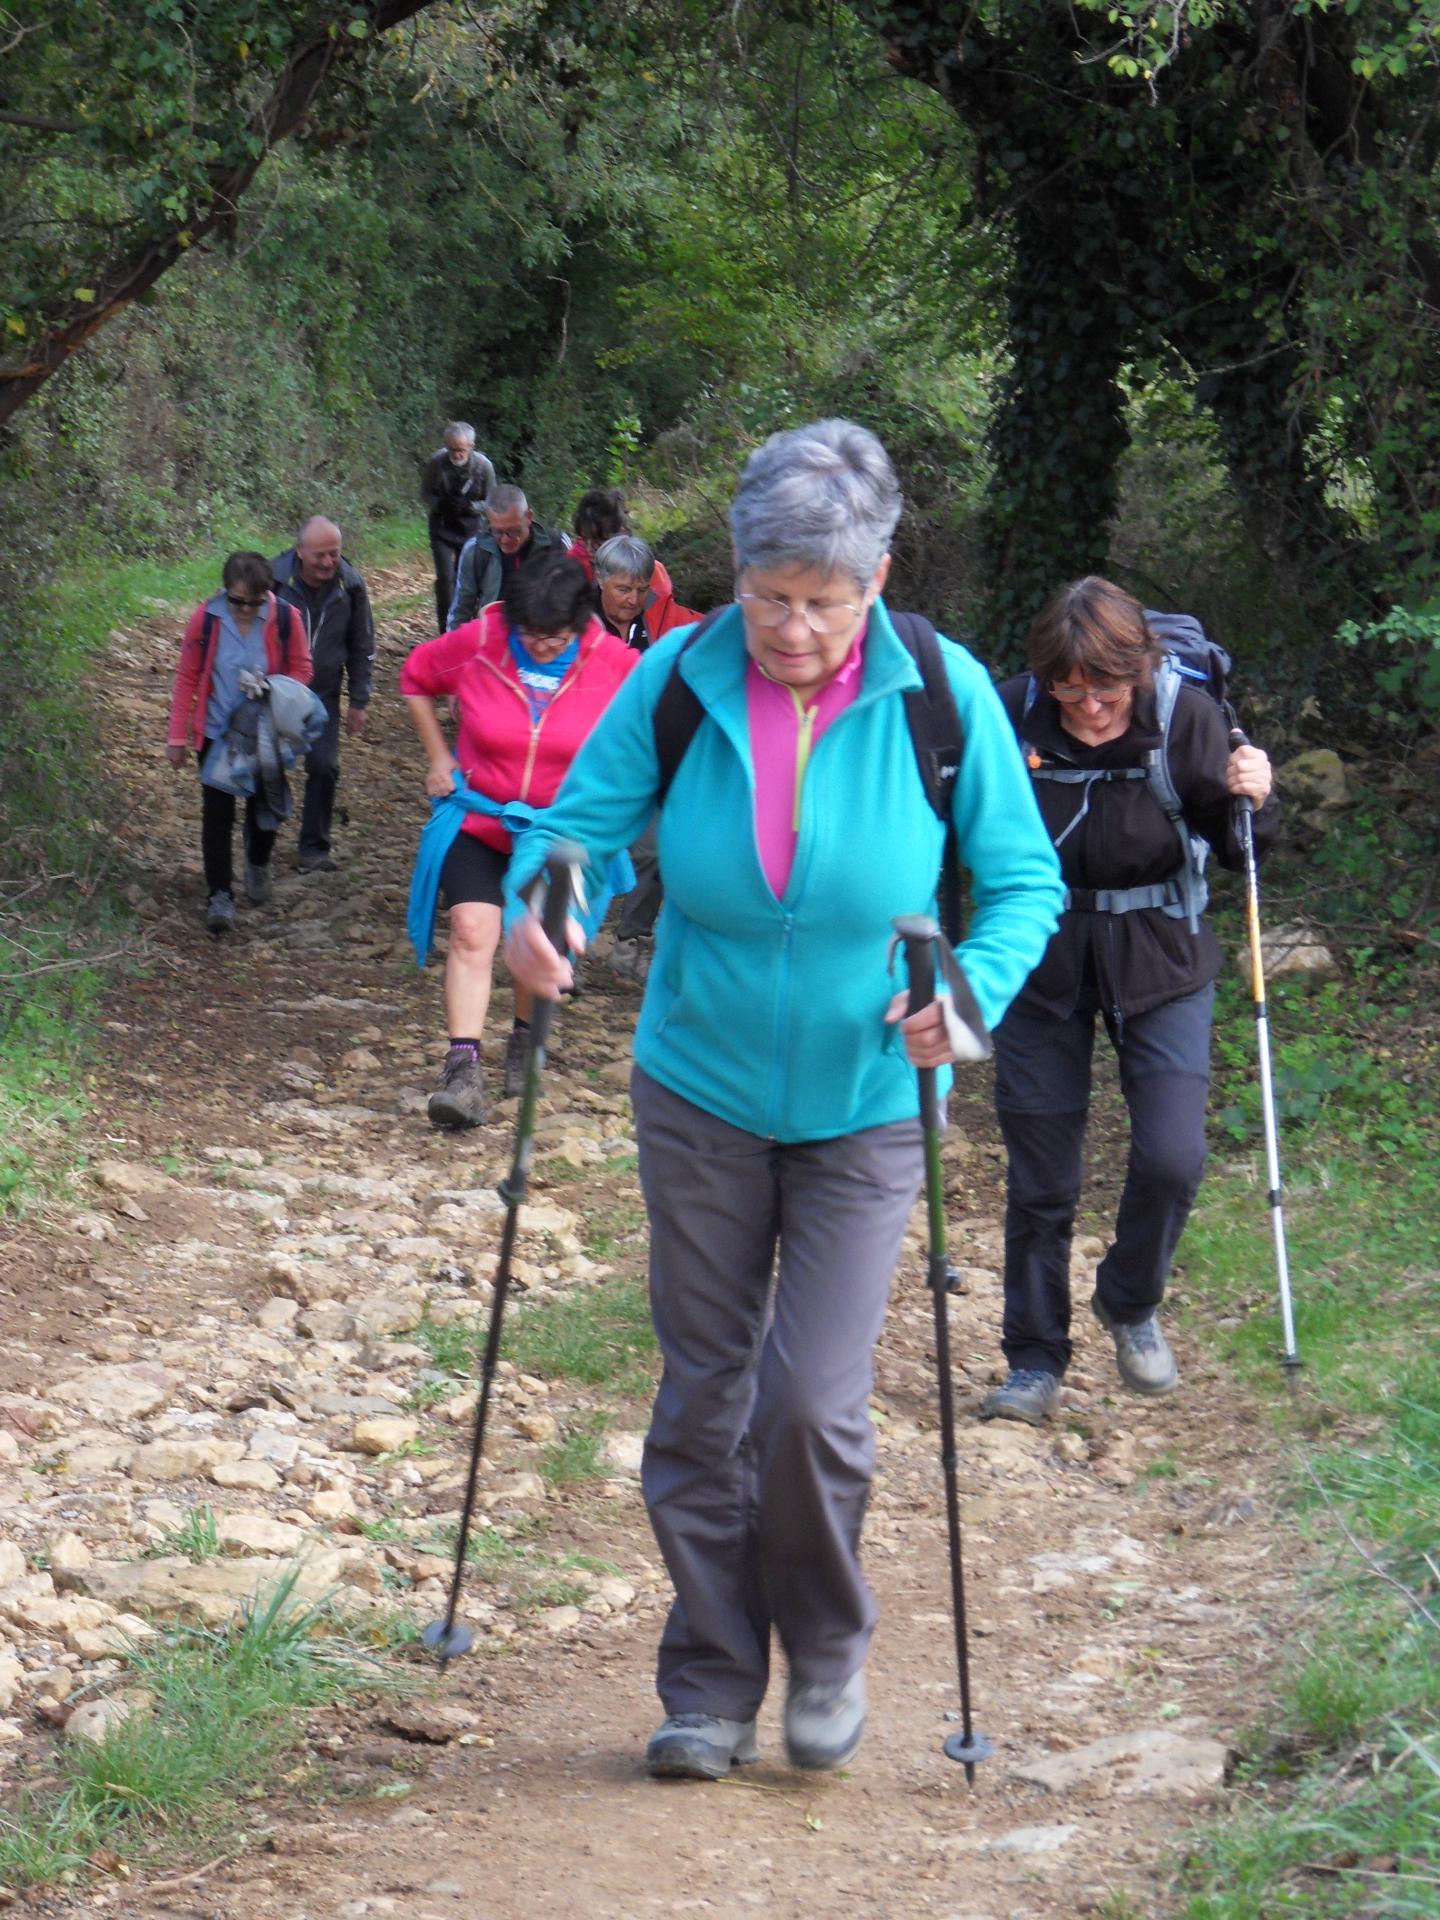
x: 771, y: 1013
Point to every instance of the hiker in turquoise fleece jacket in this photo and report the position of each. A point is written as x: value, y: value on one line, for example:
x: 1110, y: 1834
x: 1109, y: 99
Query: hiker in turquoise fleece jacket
x: 775, y: 1106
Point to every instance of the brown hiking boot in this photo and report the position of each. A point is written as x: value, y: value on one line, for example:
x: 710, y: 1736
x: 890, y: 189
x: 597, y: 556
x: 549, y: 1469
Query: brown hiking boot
x: 459, y: 1100
x: 516, y: 1052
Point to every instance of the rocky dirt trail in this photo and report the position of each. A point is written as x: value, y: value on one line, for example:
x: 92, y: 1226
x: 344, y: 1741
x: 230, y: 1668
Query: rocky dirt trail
x: 243, y: 1316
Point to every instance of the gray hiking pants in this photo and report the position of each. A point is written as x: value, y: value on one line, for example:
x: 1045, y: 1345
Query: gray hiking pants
x: 758, y: 1461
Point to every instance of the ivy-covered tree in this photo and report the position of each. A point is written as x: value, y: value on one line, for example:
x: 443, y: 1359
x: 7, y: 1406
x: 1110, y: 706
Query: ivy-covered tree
x: 1242, y: 191
x: 129, y: 133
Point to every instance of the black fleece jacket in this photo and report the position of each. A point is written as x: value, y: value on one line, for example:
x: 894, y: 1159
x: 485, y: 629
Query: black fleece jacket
x: 1132, y: 961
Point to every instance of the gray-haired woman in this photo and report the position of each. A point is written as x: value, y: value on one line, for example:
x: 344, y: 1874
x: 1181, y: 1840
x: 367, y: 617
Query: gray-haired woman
x: 774, y: 1106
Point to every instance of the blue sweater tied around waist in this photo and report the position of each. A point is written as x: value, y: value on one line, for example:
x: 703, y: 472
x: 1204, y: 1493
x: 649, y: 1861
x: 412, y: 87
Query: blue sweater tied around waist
x: 437, y: 836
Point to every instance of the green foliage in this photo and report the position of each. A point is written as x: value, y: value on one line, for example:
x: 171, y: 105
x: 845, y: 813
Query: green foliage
x: 197, y: 1538
x: 1402, y: 651
x: 226, y: 1707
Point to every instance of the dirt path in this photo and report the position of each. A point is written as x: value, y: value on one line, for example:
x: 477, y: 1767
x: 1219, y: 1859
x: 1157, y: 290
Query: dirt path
x: 271, y: 1217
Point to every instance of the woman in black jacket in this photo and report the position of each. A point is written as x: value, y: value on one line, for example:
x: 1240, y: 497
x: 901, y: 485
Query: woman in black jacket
x: 1128, y: 948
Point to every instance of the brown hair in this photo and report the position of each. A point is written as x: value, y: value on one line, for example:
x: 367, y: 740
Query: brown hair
x: 1096, y: 626
x: 245, y: 569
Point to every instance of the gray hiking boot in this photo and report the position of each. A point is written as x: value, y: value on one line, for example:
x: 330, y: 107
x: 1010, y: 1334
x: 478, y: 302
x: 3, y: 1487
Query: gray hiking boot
x: 630, y: 959
x: 516, y: 1048
x: 824, y: 1722
x: 220, y: 914
x: 459, y: 1100
x: 315, y: 863
x: 699, y: 1746
x: 1142, y: 1353
x: 258, y: 883
x: 1030, y: 1394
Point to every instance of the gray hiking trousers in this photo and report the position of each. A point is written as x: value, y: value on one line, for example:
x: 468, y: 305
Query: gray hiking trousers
x: 758, y: 1461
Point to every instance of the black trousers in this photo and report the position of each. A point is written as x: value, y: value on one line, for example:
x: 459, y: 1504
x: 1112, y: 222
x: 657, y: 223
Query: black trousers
x: 217, y: 830
x: 639, y: 907
x: 322, y: 778
x: 1042, y: 1096
x: 445, y: 549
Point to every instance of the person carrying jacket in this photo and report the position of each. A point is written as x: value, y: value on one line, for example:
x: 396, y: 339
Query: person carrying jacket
x: 509, y: 539
x: 1141, y: 969
x: 774, y: 1083
x: 531, y: 677
x: 454, y: 486
x: 638, y: 604
x: 331, y: 597
x: 242, y: 629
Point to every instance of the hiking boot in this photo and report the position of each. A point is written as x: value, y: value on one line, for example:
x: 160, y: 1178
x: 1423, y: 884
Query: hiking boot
x: 1030, y: 1394
x: 459, y: 1100
x: 1142, y: 1353
x: 630, y: 959
x: 824, y: 1722
x: 258, y: 883
x: 699, y: 1746
x: 315, y: 863
x: 220, y: 914
x: 517, y: 1048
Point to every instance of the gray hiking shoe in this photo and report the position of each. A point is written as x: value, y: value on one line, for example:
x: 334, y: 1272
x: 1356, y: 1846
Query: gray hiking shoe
x: 315, y: 863
x: 258, y: 883
x: 630, y: 959
x: 516, y: 1048
x: 823, y: 1723
x: 699, y: 1746
x: 459, y: 1100
x: 1142, y: 1353
x: 1030, y: 1394
x: 220, y: 913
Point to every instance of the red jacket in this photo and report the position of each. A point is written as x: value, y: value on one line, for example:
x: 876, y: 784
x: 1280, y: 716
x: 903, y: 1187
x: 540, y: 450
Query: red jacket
x: 662, y: 610
x: 501, y: 752
x: 191, y: 695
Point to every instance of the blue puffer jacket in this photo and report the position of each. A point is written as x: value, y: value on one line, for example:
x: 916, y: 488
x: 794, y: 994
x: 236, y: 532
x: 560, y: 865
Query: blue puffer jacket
x: 771, y: 1013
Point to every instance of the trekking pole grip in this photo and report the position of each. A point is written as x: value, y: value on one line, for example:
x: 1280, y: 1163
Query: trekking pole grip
x: 917, y: 933
x: 559, y: 880
x: 1239, y: 738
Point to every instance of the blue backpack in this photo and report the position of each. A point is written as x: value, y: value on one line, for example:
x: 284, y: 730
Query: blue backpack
x: 1190, y: 658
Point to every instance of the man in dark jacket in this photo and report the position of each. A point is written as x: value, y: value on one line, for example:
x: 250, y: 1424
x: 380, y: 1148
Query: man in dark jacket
x: 454, y: 487
x: 509, y: 538
x: 331, y: 598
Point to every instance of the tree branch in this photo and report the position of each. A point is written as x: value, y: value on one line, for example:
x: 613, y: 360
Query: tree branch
x: 304, y: 74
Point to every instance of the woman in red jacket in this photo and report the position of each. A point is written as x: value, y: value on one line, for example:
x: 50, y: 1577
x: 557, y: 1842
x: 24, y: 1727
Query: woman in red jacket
x: 243, y: 628
x: 531, y: 677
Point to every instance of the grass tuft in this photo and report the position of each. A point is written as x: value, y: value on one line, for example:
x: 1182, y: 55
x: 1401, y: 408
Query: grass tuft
x: 213, y: 1713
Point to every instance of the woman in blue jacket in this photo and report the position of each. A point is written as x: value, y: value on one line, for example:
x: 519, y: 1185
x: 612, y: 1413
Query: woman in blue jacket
x: 775, y: 1108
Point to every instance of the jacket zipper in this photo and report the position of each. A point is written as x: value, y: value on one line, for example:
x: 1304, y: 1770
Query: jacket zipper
x: 535, y: 725
x: 780, y: 1072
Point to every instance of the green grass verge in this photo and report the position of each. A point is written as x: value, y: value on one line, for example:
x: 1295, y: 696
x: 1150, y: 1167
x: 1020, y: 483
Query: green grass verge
x: 600, y: 1336
x: 61, y: 926
x: 224, y: 1709
x: 1336, y: 1811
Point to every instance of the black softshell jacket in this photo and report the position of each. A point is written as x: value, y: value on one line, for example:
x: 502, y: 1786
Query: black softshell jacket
x: 1138, y: 960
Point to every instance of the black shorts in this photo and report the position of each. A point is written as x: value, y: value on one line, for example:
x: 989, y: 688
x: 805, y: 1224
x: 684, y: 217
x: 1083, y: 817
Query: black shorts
x: 473, y: 872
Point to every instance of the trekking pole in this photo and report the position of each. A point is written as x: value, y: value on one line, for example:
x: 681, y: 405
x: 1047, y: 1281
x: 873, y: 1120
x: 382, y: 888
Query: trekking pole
x: 1245, y: 831
x: 919, y: 933
x: 448, y: 1637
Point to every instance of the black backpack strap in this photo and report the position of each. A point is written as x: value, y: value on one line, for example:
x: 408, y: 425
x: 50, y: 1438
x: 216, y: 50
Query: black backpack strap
x: 939, y: 741
x: 678, y: 713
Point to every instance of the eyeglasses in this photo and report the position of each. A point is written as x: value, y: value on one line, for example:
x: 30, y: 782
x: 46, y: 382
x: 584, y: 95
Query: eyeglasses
x: 244, y: 600
x: 1072, y: 696
x: 822, y: 616
x: 503, y: 535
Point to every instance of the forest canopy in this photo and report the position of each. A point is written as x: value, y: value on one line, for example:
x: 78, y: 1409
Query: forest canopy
x: 1146, y: 288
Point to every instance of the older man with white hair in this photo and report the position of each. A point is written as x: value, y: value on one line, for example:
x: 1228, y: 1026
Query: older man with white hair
x: 330, y: 596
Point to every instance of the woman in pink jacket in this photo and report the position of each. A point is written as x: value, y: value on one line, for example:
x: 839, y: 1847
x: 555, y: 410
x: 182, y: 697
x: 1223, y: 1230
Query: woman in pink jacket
x: 243, y: 628
x: 531, y: 677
